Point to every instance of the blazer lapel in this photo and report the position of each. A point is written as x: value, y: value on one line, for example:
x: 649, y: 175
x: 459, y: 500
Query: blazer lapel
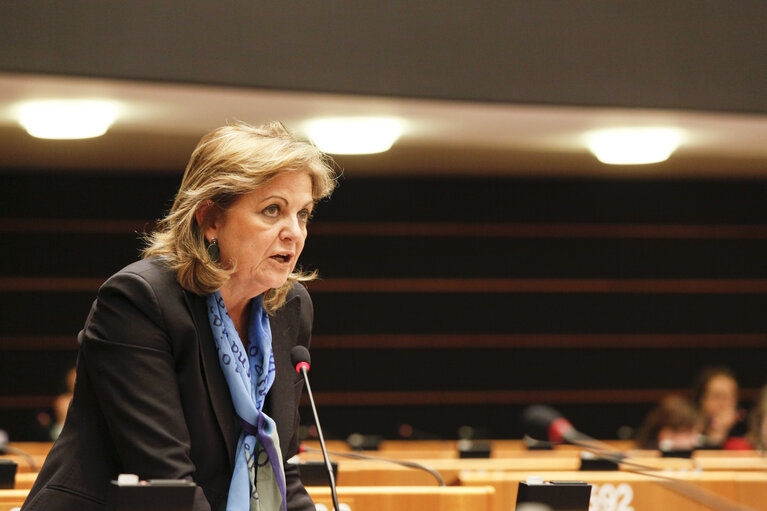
x: 280, y: 401
x: 284, y: 327
x: 218, y: 389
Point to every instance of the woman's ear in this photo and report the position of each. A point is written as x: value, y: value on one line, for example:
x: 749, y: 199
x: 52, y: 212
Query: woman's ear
x: 207, y: 218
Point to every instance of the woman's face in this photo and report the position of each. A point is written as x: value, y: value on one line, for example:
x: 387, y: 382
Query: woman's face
x: 721, y: 395
x: 262, y: 233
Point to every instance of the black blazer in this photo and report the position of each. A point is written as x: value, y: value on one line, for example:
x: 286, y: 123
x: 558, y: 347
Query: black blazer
x: 150, y: 397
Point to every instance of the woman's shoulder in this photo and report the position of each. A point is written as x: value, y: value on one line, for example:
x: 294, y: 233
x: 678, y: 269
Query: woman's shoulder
x: 146, y: 277
x: 295, y: 315
x: 145, y: 293
x: 298, y: 298
x: 152, y: 270
x: 297, y: 303
x: 298, y: 291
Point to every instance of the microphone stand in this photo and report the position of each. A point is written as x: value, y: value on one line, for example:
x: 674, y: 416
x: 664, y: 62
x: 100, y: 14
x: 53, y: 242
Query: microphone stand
x: 328, y: 466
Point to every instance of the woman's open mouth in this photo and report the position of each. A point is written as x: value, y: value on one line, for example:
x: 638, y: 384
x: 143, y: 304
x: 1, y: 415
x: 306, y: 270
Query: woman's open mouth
x: 282, y: 258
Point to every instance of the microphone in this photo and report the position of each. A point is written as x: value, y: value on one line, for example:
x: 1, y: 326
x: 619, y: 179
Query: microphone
x: 545, y: 423
x: 301, y: 360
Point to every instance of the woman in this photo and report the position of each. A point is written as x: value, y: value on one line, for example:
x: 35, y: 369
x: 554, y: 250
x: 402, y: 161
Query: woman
x: 715, y: 393
x: 673, y: 425
x: 184, y: 367
x: 757, y: 423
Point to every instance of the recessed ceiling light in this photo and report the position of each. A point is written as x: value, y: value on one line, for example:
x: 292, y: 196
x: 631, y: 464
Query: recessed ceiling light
x: 354, y: 135
x: 633, y: 146
x: 67, y: 119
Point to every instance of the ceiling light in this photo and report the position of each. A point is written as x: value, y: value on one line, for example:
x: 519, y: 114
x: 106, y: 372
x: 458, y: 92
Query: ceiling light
x: 67, y: 119
x: 354, y: 135
x: 633, y: 146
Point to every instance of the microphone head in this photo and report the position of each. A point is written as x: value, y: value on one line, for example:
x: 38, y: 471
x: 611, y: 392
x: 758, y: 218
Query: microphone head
x: 300, y: 357
x: 545, y: 423
x: 537, y: 419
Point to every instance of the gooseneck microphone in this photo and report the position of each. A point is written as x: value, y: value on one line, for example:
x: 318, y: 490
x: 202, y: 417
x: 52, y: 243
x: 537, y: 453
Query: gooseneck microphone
x: 301, y: 359
x: 545, y: 423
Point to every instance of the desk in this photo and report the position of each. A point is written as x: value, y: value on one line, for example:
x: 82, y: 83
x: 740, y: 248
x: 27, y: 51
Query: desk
x: 379, y: 473
x: 413, y: 498
x: 614, y: 491
x: 25, y: 480
x: 23, y: 463
x: 33, y: 448
x: 10, y: 499
x: 438, y: 449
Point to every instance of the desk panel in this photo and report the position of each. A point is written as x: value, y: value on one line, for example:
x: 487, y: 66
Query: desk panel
x: 10, y: 499
x: 616, y: 491
x: 475, y: 498
x: 413, y: 498
x: 381, y: 473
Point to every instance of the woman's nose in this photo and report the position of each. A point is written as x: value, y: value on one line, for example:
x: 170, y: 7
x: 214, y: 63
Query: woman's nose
x: 291, y: 230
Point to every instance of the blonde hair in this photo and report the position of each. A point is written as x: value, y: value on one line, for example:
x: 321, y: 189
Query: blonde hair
x: 229, y: 162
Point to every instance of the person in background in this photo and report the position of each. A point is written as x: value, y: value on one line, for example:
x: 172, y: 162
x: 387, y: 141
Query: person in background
x: 715, y: 393
x: 184, y: 368
x: 51, y: 420
x: 61, y: 405
x: 757, y: 423
x: 673, y: 425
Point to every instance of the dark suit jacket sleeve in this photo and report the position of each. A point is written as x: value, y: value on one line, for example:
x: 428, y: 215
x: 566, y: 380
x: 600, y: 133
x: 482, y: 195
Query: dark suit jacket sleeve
x: 130, y: 361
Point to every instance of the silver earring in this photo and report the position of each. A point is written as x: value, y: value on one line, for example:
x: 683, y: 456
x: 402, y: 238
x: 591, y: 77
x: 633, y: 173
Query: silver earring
x: 213, y: 251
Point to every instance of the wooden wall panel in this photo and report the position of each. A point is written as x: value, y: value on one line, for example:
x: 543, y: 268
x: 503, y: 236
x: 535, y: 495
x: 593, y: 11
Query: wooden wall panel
x: 443, y: 302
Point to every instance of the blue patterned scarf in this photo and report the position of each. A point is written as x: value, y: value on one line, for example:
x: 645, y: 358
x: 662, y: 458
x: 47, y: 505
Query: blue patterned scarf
x: 258, y: 480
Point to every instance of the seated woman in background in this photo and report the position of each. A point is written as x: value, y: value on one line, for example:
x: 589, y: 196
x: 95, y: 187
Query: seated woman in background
x: 757, y: 424
x: 716, y: 395
x: 49, y: 422
x: 673, y: 425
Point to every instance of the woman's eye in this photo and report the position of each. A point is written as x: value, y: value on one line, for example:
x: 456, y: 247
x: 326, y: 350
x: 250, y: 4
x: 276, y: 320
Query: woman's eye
x: 305, y: 215
x: 272, y: 210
